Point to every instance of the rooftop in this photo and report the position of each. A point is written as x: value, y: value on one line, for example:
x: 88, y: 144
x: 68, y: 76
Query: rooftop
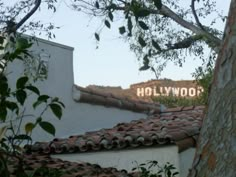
x: 98, y: 97
x: 180, y: 126
x: 31, y: 162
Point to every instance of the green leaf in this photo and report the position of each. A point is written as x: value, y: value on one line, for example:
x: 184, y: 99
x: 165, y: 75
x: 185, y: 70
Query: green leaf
x: 145, y: 64
x: 97, y: 36
x: 29, y: 127
x: 175, y: 173
x: 3, y: 86
x: 97, y: 4
x: 33, y: 89
x: 122, y: 30
x: 22, y: 43
x: 43, y: 98
x: 39, y: 119
x: 12, y: 106
x: 146, y: 60
x: 158, y: 4
x: 169, y: 173
x: 37, y: 103
x: 62, y: 104
x: 141, y: 41
x: 3, y: 113
x: 48, y: 127
x: 21, y: 82
x: 130, y: 26
x: 12, y: 39
x: 142, y: 13
x: 107, y: 23
x: 110, y: 15
x: 21, y: 96
x: 56, y: 100
x: 156, y: 45
x: 143, y: 25
x: 2, y: 39
x: 113, y: 6
x: 56, y: 109
x: 144, y: 67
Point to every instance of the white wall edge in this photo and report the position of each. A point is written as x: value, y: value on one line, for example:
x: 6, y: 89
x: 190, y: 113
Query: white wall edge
x: 75, y: 94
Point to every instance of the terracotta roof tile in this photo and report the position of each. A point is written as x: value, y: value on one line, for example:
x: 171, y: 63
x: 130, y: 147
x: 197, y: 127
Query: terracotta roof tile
x: 67, y: 169
x: 166, y: 128
x: 91, y: 96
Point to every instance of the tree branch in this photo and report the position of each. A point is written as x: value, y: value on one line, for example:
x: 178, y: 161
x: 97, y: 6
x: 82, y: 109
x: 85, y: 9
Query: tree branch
x: 26, y: 17
x: 198, y: 31
x: 195, y: 15
x: 210, y: 39
x: 185, y: 43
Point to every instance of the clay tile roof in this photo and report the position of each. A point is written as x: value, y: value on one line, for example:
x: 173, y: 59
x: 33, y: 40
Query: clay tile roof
x: 31, y: 162
x: 98, y: 97
x: 179, y: 126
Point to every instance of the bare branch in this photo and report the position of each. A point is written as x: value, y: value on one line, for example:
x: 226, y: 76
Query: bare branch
x: 198, y: 31
x: 195, y: 15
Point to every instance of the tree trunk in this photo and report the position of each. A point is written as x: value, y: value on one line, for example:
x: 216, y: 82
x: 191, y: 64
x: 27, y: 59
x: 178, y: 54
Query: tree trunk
x: 216, y: 151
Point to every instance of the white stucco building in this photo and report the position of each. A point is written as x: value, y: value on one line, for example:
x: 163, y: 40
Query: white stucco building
x: 141, y: 131
x: 169, y: 136
x: 59, y: 82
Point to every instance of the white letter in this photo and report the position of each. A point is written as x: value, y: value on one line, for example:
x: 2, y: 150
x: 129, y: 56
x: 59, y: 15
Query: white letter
x: 183, y: 92
x: 175, y: 91
x: 148, y: 91
x: 167, y: 90
x: 155, y: 92
x: 140, y: 92
x: 161, y: 91
x: 192, y: 92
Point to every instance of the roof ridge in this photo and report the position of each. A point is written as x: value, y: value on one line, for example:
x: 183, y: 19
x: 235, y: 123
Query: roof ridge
x: 35, y: 161
x: 160, y: 129
x: 91, y: 96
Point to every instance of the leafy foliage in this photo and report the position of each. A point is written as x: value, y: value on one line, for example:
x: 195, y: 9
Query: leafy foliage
x: 154, y: 169
x: 13, y: 102
x: 204, y: 79
x: 150, y: 28
x: 11, y: 12
x: 174, y: 101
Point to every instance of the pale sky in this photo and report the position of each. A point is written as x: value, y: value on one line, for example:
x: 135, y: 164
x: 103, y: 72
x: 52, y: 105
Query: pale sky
x: 112, y: 64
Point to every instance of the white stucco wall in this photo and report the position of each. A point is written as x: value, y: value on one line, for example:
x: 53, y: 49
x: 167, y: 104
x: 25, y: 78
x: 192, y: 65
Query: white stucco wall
x: 77, y: 117
x: 186, y: 159
x: 126, y: 159
x: 80, y: 117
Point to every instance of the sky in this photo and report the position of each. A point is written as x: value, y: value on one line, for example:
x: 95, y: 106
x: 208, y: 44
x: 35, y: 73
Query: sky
x: 112, y: 64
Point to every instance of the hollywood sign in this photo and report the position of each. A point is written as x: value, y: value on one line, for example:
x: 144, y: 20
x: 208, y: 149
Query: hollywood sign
x: 169, y: 91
